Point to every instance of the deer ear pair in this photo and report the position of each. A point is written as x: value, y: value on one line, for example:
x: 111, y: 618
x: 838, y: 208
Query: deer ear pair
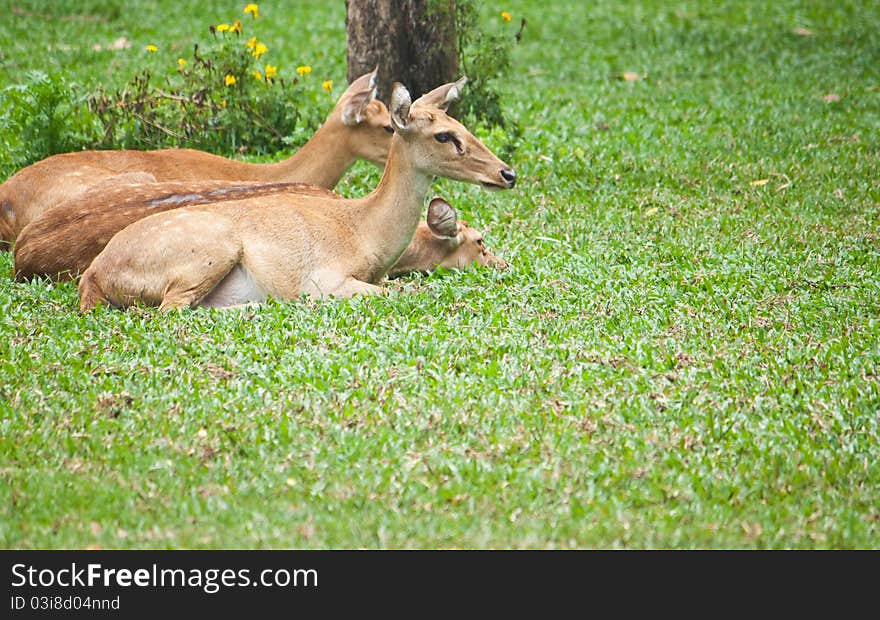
x: 441, y: 97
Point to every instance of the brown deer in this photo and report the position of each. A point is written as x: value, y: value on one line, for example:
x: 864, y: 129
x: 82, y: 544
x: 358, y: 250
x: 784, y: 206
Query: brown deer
x: 357, y: 128
x: 444, y: 241
x: 280, y: 245
x: 62, y: 243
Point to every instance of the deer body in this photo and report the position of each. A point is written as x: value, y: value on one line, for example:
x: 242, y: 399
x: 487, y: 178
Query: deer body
x: 356, y: 129
x: 284, y: 246
x: 62, y: 243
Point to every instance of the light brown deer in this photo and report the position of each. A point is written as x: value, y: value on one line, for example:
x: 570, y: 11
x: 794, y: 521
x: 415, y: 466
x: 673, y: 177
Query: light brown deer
x: 62, y: 242
x: 357, y: 128
x: 283, y: 246
x: 443, y: 240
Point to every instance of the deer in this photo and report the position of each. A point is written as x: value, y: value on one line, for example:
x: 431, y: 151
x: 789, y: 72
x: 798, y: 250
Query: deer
x: 357, y: 128
x: 443, y: 240
x: 241, y: 252
x: 61, y: 243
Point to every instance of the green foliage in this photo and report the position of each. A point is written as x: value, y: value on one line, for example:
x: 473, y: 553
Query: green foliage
x: 224, y: 99
x: 484, y: 55
x: 166, y: 102
x: 485, y: 49
x: 42, y: 116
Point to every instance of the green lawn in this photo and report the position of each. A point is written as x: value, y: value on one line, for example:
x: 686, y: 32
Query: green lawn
x: 684, y: 353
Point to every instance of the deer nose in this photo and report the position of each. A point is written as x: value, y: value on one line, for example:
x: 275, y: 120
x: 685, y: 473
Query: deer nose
x: 508, y: 175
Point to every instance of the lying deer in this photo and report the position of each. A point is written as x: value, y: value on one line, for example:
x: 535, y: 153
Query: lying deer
x: 280, y: 245
x: 62, y: 242
x: 443, y: 240
x: 357, y: 128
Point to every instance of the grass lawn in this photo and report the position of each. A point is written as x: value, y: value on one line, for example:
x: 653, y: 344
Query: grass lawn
x: 684, y: 353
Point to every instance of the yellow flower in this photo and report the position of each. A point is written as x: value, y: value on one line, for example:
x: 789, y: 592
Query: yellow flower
x: 181, y: 62
x: 304, y: 69
x: 257, y: 75
x: 252, y: 42
x: 253, y: 9
x: 152, y: 48
x: 230, y: 79
x: 505, y: 16
x: 222, y: 27
x: 259, y: 50
x: 271, y: 71
x: 235, y: 27
x: 327, y: 85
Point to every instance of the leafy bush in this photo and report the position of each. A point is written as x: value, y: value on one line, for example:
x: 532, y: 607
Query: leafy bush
x: 484, y: 56
x: 223, y: 99
x: 43, y: 116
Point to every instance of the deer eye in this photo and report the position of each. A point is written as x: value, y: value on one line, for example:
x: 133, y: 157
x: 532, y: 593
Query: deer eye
x: 389, y: 128
x: 448, y: 137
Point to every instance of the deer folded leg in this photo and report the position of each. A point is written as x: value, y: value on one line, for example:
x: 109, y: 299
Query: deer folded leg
x: 187, y: 290
x: 171, y: 260
x: 351, y: 287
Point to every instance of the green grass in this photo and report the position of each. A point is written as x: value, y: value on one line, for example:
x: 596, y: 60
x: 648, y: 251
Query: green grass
x: 678, y: 358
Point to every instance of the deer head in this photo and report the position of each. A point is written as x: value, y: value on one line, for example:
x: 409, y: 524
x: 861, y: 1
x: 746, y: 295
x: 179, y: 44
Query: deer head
x: 443, y: 240
x: 367, y: 119
x: 464, y: 245
x: 439, y: 145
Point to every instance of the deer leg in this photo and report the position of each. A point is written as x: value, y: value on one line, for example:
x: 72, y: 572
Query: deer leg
x: 189, y: 290
x: 197, y: 272
x: 171, y: 260
x: 351, y: 287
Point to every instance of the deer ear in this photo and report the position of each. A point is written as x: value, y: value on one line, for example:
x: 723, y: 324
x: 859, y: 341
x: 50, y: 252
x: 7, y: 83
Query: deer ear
x: 443, y: 96
x: 400, y: 105
x: 442, y: 219
x: 357, y: 97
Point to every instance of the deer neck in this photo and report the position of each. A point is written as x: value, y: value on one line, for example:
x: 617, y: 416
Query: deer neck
x: 321, y: 161
x: 387, y: 218
x: 419, y: 255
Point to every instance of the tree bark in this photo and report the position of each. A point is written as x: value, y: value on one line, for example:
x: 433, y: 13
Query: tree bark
x: 412, y: 41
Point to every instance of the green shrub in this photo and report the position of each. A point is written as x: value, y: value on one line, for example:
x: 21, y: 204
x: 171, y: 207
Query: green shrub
x: 484, y: 56
x: 225, y: 98
x: 41, y: 117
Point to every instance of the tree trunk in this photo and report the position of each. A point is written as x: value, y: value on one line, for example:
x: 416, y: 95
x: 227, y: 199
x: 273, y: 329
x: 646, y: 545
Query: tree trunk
x: 412, y: 41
